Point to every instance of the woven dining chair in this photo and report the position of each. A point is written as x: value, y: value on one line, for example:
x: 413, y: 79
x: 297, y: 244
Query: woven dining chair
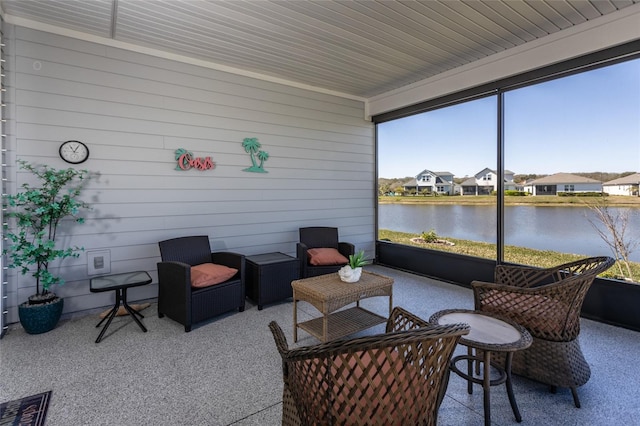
x: 547, y: 303
x: 396, y: 378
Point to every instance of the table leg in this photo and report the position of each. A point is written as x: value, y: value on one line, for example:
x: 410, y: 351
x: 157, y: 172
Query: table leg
x: 470, y: 363
x: 325, y: 327
x: 109, y: 314
x: 132, y: 311
x: 512, y: 398
x: 109, y: 317
x: 135, y: 311
x: 390, y: 303
x: 486, y: 386
x: 295, y: 319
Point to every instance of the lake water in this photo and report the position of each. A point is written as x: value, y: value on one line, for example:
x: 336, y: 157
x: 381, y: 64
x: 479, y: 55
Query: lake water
x: 562, y: 229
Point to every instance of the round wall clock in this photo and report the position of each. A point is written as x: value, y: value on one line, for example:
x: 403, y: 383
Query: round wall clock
x: 74, y: 152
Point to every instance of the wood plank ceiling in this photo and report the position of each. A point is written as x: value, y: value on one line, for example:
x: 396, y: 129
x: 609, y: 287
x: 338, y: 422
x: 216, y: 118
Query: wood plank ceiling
x: 357, y: 48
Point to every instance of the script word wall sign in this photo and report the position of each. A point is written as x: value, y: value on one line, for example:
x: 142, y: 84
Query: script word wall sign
x: 187, y: 161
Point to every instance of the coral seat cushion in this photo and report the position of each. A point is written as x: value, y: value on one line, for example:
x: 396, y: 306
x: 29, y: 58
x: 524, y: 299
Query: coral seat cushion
x: 326, y: 256
x: 208, y: 274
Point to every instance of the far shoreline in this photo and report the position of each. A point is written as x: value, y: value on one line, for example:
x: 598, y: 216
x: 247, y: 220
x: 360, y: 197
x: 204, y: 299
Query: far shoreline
x: 536, y: 201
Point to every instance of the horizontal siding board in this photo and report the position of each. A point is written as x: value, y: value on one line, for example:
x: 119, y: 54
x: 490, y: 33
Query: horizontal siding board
x: 186, y: 195
x: 305, y: 188
x: 134, y: 111
x: 222, y: 139
x: 125, y: 243
x: 216, y: 226
x: 223, y: 207
x: 102, y: 138
x: 23, y: 35
x: 158, y: 79
x: 187, y: 180
x: 59, y: 84
x: 122, y: 102
x: 51, y: 41
x: 80, y: 119
x: 213, y: 117
x: 264, y: 90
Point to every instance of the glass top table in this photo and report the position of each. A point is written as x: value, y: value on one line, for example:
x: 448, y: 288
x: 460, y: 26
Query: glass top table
x: 119, y: 283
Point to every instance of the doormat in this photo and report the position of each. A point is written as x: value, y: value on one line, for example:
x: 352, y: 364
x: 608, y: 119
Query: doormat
x: 28, y: 411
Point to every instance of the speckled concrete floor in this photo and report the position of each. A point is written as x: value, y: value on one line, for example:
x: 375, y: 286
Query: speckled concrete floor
x: 227, y: 371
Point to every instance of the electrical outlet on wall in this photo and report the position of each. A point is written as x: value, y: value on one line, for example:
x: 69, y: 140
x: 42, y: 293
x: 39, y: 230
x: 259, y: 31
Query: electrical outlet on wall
x: 98, y: 262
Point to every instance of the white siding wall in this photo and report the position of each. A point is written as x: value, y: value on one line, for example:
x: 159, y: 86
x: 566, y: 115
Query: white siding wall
x: 134, y: 111
x: 618, y: 189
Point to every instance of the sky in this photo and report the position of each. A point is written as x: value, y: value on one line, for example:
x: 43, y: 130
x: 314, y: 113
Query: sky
x: 587, y: 122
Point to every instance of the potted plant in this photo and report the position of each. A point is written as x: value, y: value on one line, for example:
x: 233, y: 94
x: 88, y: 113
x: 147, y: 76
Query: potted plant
x: 351, y: 273
x: 38, y: 210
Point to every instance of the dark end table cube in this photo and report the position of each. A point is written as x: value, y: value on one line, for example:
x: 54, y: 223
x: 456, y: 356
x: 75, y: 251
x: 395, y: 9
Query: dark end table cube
x: 269, y: 277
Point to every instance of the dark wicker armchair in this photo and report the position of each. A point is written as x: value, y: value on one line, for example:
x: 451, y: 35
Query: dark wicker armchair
x: 396, y: 378
x: 176, y: 297
x: 546, y: 302
x: 320, y: 237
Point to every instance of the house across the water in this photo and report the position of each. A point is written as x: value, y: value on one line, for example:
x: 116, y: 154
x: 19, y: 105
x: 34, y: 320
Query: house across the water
x: 562, y: 182
x: 486, y: 181
x: 628, y: 185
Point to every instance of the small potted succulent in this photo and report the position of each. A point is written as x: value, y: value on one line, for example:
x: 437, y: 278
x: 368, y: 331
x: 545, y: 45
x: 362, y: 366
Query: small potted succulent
x: 351, y: 273
x: 37, y: 211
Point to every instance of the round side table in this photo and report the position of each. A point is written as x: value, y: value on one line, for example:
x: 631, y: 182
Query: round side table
x: 487, y: 334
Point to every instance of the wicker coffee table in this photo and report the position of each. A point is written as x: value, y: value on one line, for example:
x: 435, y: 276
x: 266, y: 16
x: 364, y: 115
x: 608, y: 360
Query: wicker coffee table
x: 328, y: 293
x: 487, y: 334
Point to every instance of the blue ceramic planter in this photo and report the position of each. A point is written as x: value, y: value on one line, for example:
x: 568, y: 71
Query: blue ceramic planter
x: 37, y: 319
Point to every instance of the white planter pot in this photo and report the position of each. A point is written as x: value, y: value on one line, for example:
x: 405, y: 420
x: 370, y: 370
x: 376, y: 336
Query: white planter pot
x: 349, y: 275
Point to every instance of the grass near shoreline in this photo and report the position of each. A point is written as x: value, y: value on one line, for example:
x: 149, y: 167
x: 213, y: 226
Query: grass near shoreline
x: 513, y: 254
x: 542, y: 200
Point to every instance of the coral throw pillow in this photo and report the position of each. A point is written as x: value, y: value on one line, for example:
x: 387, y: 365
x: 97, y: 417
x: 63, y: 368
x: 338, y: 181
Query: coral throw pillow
x: 326, y: 256
x: 208, y: 274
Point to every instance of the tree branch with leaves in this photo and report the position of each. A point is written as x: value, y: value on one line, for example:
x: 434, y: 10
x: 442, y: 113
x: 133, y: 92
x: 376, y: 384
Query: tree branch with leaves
x: 612, y: 225
x: 38, y: 210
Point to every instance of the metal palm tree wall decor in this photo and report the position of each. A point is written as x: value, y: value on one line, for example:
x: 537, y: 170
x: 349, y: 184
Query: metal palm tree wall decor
x: 252, y: 146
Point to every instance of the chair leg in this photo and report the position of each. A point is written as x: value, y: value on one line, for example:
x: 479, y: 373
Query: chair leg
x: 574, y: 393
x: 576, y: 400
